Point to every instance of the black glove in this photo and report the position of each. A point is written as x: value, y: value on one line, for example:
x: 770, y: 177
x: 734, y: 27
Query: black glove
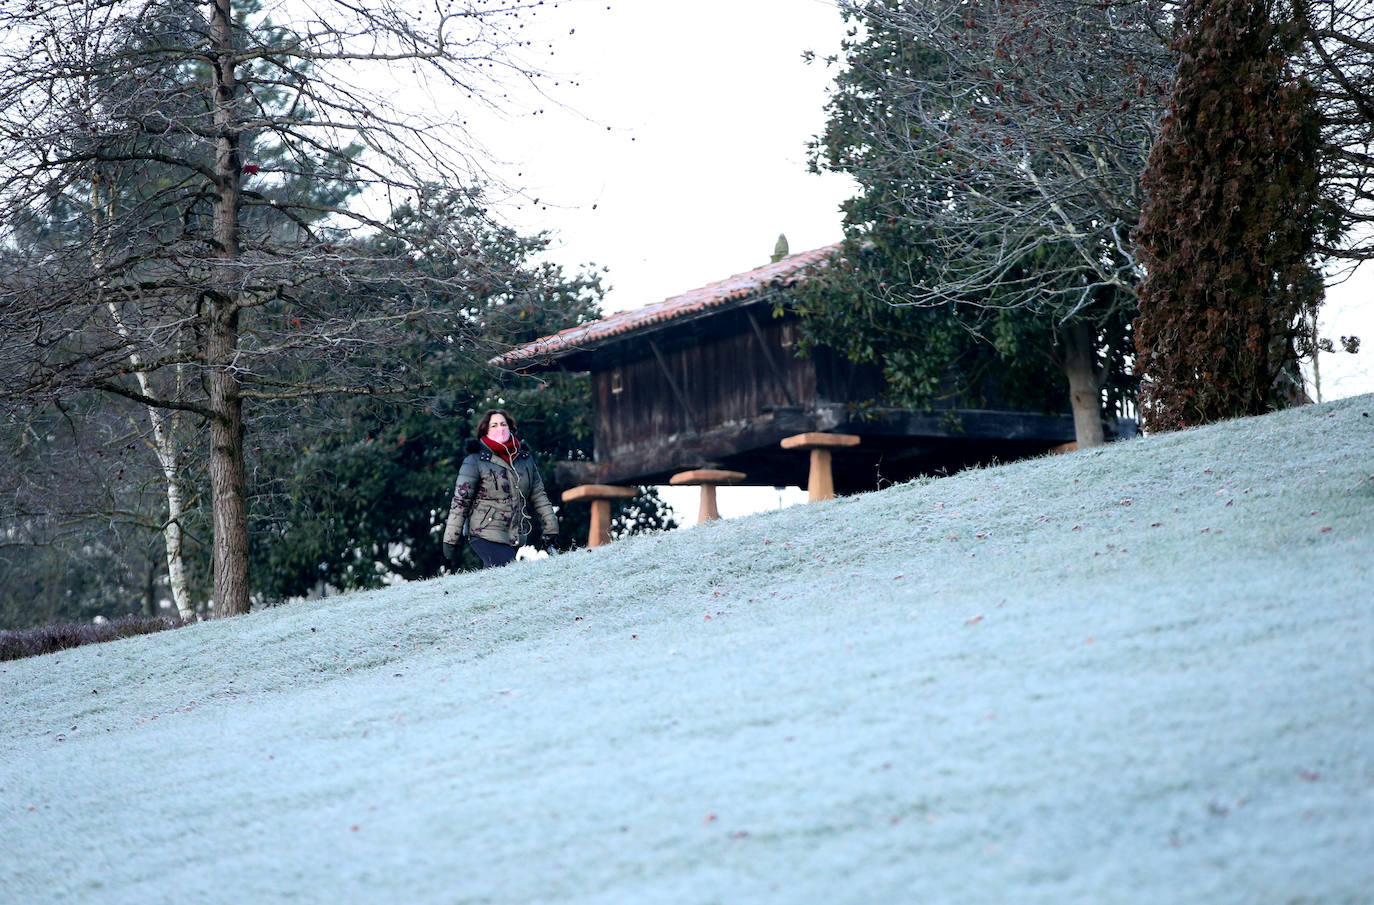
x: 550, y: 541
x: 451, y: 553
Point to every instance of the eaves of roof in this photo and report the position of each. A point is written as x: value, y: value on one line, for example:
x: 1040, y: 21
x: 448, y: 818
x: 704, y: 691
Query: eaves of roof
x: 622, y: 325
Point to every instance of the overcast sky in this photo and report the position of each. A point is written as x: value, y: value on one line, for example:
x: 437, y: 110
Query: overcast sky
x: 686, y: 156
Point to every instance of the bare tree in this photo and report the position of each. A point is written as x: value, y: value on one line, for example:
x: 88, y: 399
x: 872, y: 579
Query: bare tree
x: 184, y: 191
x: 83, y: 513
x: 1026, y: 124
x: 1010, y: 136
x: 1338, y: 58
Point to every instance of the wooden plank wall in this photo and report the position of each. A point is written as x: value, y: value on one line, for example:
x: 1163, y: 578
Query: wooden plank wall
x: 724, y: 376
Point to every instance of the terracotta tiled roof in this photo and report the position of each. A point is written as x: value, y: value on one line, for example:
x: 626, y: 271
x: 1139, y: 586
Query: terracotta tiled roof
x: 721, y: 294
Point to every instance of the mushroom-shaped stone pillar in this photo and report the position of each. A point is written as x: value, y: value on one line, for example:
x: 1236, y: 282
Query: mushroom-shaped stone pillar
x: 820, y: 483
x: 600, y: 496
x: 707, y: 479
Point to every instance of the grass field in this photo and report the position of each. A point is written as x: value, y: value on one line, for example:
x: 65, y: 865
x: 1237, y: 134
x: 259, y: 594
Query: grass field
x: 1137, y: 674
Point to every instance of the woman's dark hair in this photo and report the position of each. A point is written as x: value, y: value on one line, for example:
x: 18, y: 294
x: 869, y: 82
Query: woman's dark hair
x: 486, y: 421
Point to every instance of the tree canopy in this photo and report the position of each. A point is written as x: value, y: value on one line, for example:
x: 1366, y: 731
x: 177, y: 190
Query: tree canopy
x: 209, y: 183
x: 362, y: 498
x: 997, y: 149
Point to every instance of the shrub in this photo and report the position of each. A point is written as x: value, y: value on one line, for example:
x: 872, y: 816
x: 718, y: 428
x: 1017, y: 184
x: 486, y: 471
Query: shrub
x: 17, y: 644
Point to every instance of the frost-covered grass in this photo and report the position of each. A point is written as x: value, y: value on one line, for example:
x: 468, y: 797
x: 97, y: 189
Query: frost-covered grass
x: 1137, y: 674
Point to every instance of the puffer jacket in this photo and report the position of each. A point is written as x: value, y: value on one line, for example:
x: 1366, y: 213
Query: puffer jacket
x: 491, y: 497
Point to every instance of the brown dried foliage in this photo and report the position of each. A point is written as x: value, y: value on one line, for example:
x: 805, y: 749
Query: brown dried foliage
x: 1230, y: 226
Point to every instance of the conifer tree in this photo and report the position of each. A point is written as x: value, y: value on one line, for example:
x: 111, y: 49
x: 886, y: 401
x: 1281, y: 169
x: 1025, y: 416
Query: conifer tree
x: 1230, y: 224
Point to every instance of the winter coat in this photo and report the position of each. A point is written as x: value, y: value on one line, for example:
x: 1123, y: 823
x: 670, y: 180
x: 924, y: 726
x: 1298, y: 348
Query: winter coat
x: 491, y: 497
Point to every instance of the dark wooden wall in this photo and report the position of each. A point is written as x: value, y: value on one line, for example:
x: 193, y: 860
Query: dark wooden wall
x: 722, y: 372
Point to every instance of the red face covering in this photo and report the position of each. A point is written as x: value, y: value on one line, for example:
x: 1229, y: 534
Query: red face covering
x: 505, y: 450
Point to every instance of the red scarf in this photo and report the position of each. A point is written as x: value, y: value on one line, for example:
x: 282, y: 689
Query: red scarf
x: 506, y: 451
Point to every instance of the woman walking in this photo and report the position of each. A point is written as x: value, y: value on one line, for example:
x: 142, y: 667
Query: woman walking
x: 496, y: 484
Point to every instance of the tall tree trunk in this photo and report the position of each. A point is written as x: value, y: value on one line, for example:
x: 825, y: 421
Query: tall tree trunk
x: 1079, y: 363
x: 227, y: 472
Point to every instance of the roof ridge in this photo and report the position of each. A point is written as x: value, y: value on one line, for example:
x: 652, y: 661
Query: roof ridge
x: 694, y: 301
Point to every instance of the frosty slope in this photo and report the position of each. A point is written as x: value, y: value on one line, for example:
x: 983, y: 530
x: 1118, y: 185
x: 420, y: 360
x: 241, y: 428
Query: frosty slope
x: 1137, y: 674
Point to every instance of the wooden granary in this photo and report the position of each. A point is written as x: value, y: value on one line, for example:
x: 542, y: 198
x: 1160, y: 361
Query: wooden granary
x: 712, y: 379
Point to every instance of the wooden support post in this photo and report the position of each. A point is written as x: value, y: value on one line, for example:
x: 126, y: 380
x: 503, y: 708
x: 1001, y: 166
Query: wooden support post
x: 600, y: 496
x: 707, y: 479
x: 820, y: 481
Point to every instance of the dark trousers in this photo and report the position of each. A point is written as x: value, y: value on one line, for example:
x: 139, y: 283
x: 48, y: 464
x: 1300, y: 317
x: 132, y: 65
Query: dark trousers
x: 492, y: 554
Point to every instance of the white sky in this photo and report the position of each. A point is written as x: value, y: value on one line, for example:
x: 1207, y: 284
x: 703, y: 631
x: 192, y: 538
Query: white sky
x: 689, y: 157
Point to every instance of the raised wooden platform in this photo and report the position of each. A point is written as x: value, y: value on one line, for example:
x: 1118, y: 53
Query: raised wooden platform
x: 898, y: 445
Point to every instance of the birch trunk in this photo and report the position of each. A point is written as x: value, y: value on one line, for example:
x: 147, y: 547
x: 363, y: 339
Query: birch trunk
x: 164, y: 432
x: 164, y: 446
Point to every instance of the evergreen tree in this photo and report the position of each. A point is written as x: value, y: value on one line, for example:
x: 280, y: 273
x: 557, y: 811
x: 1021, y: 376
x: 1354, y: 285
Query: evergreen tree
x: 1231, y: 222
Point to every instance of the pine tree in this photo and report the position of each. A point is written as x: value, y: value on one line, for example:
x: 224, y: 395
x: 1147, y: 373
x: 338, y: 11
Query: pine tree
x: 1230, y: 223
